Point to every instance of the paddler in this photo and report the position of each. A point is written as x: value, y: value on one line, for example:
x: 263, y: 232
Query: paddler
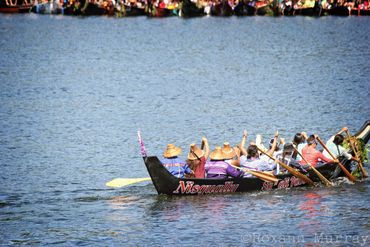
x: 231, y: 156
x: 251, y: 160
x: 197, y: 158
x: 287, y: 158
x: 312, y: 155
x: 218, y: 168
x: 175, y: 165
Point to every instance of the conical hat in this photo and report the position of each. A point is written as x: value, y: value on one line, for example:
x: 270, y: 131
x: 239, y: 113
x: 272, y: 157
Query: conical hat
x: 171, y: 151
x: 195, y: 152
x: 228, y: 151
x: 217, y: 154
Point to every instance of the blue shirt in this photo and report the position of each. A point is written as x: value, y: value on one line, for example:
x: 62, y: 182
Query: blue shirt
x: 176, y: 166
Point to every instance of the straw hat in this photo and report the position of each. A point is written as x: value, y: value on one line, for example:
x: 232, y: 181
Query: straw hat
x: 228, y: 151
x: 217, y: 154
x: 195, y: 152
x: 171, y: 151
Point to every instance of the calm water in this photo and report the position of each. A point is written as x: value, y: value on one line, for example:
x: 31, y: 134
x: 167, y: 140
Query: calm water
x: 74, y: 91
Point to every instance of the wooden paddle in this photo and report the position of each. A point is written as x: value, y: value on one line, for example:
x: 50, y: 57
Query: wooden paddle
x: 348, y: 174
x: 290, y: 169
x: 261, y: 175
x: 364, y: 174
x: 121, y: 182
x: 322, y: 178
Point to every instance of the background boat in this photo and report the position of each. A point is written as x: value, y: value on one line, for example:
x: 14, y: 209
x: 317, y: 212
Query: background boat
x: 20, y: 7
x: 190, y: 9
x: 221, y: 8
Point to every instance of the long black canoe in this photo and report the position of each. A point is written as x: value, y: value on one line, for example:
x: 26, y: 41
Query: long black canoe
x: 166, y: 183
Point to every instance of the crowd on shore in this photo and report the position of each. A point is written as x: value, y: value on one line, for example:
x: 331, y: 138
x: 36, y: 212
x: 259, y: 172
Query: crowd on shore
x: 301, y: 154
x: 189, y: 8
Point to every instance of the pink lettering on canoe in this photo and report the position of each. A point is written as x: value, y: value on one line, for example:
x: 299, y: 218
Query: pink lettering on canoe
x: 191, y: 188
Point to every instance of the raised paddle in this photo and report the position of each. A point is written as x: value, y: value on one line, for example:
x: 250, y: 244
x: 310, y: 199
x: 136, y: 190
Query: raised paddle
x: 260, y: 175
x: 322, y: 178
x: 364, y: 174
x: 348, y: 174
x: 290, y: 169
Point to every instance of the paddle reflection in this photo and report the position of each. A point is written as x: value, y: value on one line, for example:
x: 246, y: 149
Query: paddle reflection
x: 313, y: 209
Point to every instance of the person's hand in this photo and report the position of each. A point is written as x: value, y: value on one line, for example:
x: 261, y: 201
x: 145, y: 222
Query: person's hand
x: 282, y: 141
x: 304, y: 134
x: 344, y: 129
x: 245, y: 133
x: 276, y: 134
x: 204, y: 140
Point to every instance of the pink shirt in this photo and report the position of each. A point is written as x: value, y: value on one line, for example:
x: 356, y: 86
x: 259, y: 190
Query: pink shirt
x: 199, y: 171
x: 313, y: 156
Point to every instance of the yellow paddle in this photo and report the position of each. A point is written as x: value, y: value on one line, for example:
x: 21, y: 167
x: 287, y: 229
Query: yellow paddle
x: 260, y: 175
x: 290, y: 169
x: 348, y: 174
x: 121, y: 182
x: 323, y: 179
x: 364, y: 174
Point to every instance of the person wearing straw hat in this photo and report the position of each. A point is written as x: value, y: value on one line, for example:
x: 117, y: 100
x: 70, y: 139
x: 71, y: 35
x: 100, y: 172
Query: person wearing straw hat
x: 231, y: 155
x: 175, y: 165
x: 218, y: 168
x: 197, y: 158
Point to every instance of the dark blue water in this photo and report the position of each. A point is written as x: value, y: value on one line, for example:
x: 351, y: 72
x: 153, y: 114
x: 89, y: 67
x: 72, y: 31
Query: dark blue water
x: 74, y: 91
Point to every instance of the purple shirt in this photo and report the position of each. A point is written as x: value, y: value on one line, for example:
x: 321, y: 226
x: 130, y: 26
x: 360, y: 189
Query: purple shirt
x: 221, y: 169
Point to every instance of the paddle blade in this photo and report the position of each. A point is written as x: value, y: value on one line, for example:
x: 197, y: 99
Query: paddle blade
x: 121, y: 182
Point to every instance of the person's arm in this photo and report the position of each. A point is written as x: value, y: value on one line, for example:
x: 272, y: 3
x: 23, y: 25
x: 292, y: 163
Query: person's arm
x: 343, y: 151
x: 323, y: 157
x: 243, y: 151
x: 231, y: 171
x: 344, y: 129
x: 305, y: 136
x: 205, y: 147
x: 244, y: 138
x: 187, y: 169
x: 274, y: 144
x: 235, y: 162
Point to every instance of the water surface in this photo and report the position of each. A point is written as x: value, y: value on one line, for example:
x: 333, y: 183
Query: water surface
x: 74, y: 91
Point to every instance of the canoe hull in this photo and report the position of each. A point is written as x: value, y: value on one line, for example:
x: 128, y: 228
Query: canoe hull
x: 15, y: 9
x: 165, y: 183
